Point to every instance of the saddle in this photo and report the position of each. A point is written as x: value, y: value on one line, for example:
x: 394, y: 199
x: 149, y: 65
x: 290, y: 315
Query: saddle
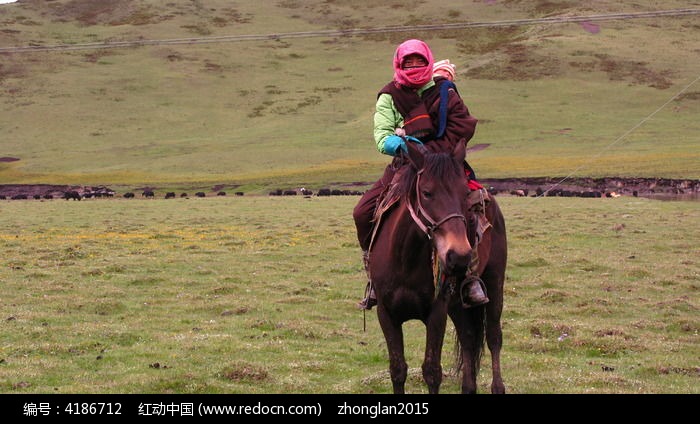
x: 477, y: 202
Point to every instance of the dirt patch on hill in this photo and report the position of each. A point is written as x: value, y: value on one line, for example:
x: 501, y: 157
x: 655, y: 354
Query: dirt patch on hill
x: 477, y: 147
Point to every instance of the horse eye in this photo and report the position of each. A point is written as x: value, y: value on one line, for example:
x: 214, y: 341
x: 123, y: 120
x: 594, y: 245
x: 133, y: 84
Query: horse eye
x: 427, y: 194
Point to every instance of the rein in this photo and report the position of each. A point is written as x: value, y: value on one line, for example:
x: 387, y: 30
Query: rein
x: 433, y: 224
x: 429, y: 230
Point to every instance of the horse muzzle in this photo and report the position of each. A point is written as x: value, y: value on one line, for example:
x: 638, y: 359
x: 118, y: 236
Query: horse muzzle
x: 455, y: 255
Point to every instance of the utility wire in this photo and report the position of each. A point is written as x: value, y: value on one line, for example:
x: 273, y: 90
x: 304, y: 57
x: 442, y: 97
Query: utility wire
x: 349, y: 32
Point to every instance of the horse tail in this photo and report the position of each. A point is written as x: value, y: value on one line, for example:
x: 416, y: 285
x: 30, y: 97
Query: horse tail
x: 479, y: 319
x: 458, y: 353
x: 476, y: 316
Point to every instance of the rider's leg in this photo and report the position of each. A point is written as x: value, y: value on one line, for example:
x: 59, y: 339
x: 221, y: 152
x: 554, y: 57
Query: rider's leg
x: 363, y: 214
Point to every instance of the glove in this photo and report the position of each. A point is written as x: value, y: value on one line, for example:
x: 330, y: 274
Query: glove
x: 393, y: 144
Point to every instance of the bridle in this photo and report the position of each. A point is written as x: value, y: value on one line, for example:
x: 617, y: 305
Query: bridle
x: 433, y: 224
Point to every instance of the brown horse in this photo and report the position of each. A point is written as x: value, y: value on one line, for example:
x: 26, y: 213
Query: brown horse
x: 423, y: 234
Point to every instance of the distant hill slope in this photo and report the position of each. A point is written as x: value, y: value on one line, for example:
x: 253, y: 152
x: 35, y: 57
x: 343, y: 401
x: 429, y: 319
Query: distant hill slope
x: 239, y: 106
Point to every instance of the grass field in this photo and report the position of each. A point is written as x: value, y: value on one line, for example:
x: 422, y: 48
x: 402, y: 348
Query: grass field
x: 257, y: 294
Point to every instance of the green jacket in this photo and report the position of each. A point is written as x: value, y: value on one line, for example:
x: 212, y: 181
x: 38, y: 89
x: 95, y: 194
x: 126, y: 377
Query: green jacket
x: 387, y: 118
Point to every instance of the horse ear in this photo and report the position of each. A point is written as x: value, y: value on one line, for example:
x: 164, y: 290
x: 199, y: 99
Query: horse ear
x: 460, y: 150
x: 416, y: 152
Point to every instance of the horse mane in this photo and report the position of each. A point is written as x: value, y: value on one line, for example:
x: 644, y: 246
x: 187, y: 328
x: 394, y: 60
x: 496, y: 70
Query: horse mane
x: 439, y: 165
x: 405, y: 179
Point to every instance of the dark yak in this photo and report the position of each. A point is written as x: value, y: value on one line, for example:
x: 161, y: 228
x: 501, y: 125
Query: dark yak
x: 72, y: 194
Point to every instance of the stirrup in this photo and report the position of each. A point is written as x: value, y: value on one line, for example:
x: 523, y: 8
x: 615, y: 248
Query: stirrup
x: 370, y: 299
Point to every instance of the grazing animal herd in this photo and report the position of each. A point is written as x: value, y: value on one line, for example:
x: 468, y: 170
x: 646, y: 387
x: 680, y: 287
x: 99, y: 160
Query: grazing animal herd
x: 99, y: 192
x: 322, y: 192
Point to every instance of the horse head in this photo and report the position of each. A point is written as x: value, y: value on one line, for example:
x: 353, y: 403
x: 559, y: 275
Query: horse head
x: 437, y: 204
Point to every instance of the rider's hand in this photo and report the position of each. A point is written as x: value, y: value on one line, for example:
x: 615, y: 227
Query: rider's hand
x: 394, y: 144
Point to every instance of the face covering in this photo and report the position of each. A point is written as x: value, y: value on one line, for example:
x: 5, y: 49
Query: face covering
x: 414, y: 77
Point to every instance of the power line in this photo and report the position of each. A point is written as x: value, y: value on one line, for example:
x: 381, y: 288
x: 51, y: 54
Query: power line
x: 350, y: 32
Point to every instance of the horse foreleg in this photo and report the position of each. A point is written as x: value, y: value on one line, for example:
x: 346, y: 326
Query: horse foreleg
x: 494, y: 341
x: 435, y: 336
x: 393, y: 334
x: 468, y: 349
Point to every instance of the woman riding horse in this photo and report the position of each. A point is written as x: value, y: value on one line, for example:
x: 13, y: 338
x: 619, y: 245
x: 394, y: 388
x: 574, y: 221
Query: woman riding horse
x: 412, y: 102
x: 418, y: 258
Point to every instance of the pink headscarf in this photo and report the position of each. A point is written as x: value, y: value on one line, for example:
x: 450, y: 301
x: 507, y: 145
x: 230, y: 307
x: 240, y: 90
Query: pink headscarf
x: 416, y: 77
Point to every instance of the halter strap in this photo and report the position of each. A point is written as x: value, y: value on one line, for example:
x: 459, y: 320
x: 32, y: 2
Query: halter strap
x: 428, y: 230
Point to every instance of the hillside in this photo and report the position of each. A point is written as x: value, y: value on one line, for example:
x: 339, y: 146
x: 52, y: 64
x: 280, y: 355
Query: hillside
x: 270, y: 94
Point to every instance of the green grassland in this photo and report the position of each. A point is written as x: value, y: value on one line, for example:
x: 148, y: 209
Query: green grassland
x: 257, y: 294
x: 552, y: 99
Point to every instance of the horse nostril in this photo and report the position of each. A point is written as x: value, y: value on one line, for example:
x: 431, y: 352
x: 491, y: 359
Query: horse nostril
x: 457, y: 263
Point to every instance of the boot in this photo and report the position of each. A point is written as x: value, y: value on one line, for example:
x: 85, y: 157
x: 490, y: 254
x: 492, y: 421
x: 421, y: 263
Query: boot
x: 370, y: 299
x: 473, y: 292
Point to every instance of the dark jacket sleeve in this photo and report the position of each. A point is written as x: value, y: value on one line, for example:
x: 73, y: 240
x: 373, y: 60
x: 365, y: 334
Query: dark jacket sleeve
x: 460, y: 124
